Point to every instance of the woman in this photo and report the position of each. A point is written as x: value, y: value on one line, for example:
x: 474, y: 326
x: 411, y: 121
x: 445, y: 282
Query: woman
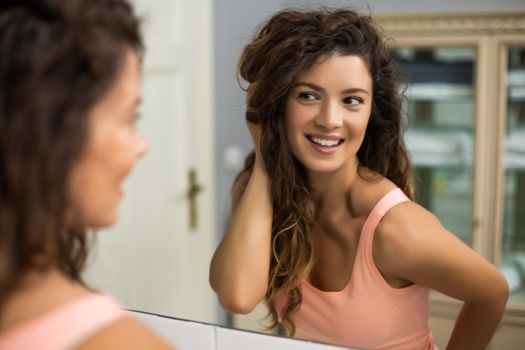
x: 69, y: 93
x: 323, y: 226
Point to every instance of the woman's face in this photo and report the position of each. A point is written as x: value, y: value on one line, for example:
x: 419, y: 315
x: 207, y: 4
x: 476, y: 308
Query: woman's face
x: 113, y: 146
x: 327, y: 112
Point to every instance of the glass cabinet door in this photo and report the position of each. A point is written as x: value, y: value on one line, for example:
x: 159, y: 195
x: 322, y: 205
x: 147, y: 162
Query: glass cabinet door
x: 513, y: 238
x: 440, y: 129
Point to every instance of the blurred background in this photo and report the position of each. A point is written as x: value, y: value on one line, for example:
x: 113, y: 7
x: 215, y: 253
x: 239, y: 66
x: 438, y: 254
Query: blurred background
x: 464, y: 61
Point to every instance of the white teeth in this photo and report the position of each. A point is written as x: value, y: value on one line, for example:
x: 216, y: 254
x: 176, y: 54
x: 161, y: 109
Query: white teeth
x: 323, y: 142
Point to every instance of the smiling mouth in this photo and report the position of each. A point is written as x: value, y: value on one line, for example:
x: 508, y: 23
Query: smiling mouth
x: 324, y: 142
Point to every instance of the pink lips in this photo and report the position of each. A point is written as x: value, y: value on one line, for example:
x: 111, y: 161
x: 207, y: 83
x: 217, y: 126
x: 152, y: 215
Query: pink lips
x: 325, y: 149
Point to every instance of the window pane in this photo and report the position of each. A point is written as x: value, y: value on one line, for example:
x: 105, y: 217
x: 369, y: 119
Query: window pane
x: 440, y: 110
x: 513, y: 245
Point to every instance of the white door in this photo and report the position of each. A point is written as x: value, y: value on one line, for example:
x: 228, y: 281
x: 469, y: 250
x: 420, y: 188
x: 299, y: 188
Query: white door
x: 153, y: 260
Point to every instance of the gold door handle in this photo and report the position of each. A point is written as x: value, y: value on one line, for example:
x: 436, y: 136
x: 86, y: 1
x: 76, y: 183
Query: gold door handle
x: 193, y: 190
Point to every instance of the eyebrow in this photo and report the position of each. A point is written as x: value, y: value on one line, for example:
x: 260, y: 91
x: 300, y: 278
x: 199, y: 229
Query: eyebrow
x: 320, y: 89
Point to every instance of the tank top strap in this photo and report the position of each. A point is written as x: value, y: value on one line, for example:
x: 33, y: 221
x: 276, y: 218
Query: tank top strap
x: 387, y: 202
x: 66, y: 327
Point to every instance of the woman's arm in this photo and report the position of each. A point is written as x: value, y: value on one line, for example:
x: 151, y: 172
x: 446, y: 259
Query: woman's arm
x: 412, y: 244
x: 240, y: 266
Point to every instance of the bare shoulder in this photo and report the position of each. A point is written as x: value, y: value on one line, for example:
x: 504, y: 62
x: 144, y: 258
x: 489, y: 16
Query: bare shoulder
x: 39, y: 293
x: 371, y: 187
x: 406, y: 221
x: 404, y: 236
x: 410, y: 243
x: 126, y: 333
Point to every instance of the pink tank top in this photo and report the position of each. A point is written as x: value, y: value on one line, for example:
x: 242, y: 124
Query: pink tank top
x: 65, y: 328
x: 368, y: 313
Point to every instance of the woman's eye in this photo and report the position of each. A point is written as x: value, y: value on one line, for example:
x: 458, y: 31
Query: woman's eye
x: 352, y: 101
x: 307, y: 96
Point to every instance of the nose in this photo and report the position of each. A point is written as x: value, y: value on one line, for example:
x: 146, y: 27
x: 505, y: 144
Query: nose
x: 329, y: 117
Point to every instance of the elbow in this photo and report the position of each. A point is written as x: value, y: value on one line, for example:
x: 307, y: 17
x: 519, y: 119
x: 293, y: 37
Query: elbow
x: 493, y: 298
x: 234, y: 300
x: 237, y: 305
x: 499, y: 294
x: 238, y: 300
x: 501, y: 291
x: 237, y: 297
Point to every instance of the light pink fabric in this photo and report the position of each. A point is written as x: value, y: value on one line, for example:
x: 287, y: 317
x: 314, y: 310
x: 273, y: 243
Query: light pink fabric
x: 368, y: 313
x: 65, y: 328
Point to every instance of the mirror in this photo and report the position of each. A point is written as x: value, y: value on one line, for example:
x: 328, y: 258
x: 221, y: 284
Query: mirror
x: 156, y: 258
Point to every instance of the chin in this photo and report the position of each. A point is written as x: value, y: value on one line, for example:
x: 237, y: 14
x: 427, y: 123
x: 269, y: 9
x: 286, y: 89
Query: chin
x: 318, y: 166
x: 102, y: 222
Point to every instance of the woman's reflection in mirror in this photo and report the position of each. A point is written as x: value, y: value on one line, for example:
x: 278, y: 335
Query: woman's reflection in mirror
x: 324, y: 228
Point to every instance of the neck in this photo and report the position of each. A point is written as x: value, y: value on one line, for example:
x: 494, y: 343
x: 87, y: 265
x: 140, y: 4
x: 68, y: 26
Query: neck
x: 34, y: 279
x: 333, y: 187
x: 39, y: 292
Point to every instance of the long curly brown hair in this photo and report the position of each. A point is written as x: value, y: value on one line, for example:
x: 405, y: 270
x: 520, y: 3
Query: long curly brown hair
x: 286, y: 45
x: 57, y: 59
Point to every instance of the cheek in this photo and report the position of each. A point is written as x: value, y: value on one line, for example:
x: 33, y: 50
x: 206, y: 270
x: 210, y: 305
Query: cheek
x: 361, y: 122
x: 96, y: 180
x: 296, y: 117
x: 108, y: 158
x: 360, y: 128
x: 117, y: 155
